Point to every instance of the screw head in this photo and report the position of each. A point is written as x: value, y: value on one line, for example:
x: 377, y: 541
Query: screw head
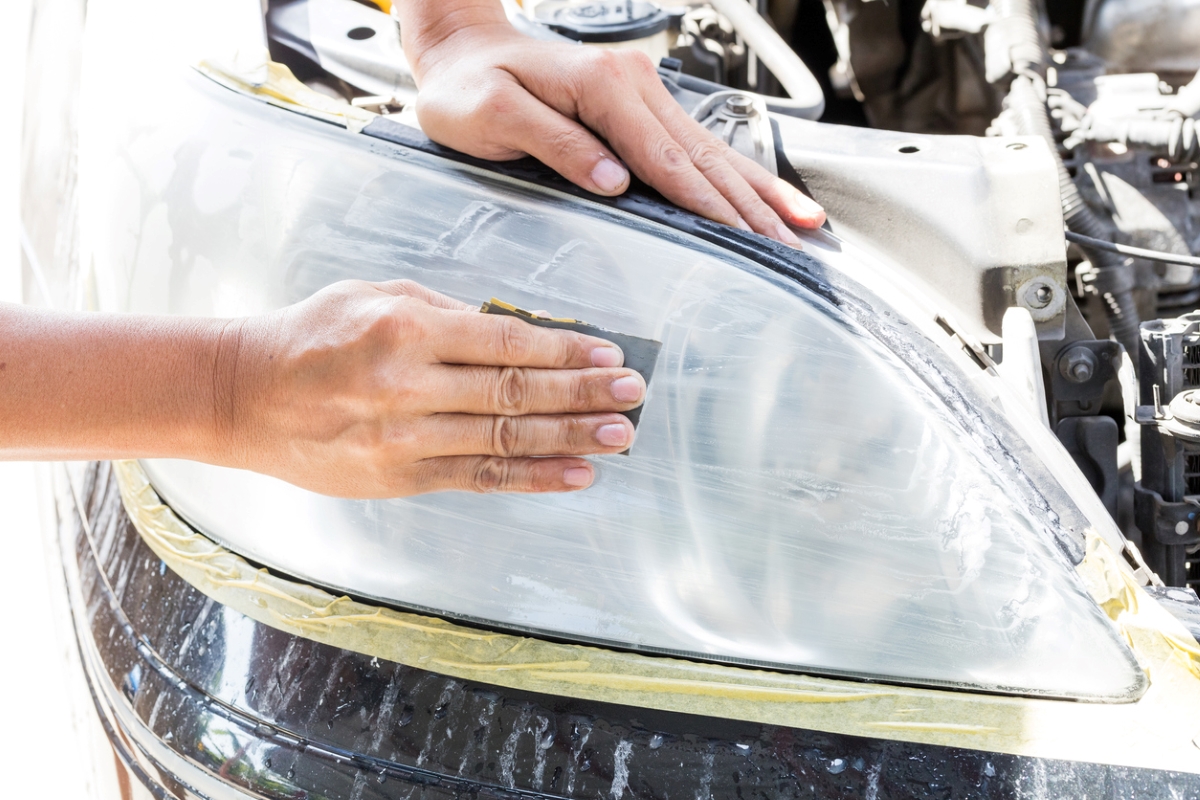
x: 739, y: 104
x: 1042, y: 295
x: 1078, y: 364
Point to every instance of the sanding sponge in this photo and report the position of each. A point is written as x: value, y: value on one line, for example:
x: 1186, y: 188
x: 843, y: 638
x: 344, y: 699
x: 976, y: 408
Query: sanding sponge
x: 640, y: 354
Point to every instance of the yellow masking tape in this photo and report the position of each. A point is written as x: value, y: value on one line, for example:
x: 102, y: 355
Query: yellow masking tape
x: 1156, y: 731
x: 283, y: 89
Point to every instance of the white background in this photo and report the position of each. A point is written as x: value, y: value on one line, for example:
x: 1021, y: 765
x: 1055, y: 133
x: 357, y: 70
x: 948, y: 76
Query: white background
x: 40, y: 747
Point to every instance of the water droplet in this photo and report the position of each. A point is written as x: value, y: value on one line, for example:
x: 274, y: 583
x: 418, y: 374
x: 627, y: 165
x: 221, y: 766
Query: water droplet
x: 291, y: 773
x: 858, y: 764
x: 547, y: 740
x: 656, y: 741
x: 837, y: 765
x: 989, y: 770
x: 266, y: 763
x: 381, y: 778
x: 405, y: 717
x: 742, y: 749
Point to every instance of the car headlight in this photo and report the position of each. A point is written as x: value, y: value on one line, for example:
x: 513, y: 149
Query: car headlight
x: 815, y: 486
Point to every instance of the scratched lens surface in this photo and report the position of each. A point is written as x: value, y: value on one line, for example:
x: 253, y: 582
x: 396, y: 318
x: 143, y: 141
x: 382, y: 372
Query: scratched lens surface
x: 798, y: 497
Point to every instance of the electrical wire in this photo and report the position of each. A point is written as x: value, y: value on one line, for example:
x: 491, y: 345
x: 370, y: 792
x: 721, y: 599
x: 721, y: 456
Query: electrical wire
x: 1133, y: 252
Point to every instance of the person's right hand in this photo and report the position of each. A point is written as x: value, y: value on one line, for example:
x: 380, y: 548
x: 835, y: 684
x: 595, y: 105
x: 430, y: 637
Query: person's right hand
x: 591, y: 114
x: 389, y: 389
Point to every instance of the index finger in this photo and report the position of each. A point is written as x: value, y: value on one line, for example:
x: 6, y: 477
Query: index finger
x: 464, y: 337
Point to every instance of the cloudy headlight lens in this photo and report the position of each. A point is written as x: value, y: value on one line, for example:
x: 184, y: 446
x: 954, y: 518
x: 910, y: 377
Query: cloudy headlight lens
x: 799, y: 496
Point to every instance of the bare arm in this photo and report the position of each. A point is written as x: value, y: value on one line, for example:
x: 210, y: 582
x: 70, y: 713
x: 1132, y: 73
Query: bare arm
x: 363, y: 390
x: 489, y: 91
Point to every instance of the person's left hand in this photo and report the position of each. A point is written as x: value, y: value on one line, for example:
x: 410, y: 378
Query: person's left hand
x: 491, y: 92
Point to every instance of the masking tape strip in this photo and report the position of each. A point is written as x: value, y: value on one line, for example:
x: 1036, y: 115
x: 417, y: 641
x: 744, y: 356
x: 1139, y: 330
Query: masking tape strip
x: 1154, y: 732
x: 281, y: 88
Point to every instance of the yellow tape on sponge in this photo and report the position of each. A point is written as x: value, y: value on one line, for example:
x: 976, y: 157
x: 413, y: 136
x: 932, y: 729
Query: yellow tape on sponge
x: 1155, y: 732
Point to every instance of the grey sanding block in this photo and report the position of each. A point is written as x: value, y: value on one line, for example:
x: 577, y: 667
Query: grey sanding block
x: 640, y: 354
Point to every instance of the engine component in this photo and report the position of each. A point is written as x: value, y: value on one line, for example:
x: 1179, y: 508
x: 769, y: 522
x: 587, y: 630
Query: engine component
x: 1167, y: 502
x: 1144, y: 35
x: 1092, y: 443
x: 636, y: 24
x: 350, y: 41
x: 1133, y: 156
x: 913, y: 74
x: 1136, y: 252
x: 741, y: 120
x: 1014, y: 46
x: 951, y: 19
x: 1137, y: 114
x: 807, y: 101
x: 612, y: 21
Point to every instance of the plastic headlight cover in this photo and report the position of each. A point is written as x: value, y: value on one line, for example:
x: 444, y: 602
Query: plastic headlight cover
x: 798, y: 496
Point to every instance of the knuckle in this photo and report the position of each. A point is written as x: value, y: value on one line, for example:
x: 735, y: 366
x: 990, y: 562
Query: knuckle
x: 504, y: 436
x: 609, y: 63
x: 514, y: 342
x: 392, y: 323
x: 579, y: 395
x: 673, y: 157
x: 490, y: 475
x: 708, y: 155
x: 639, y: 62
x: 409, y: 287
x: 564, y: 143
x: 494, y: 103
x: 511, y: 388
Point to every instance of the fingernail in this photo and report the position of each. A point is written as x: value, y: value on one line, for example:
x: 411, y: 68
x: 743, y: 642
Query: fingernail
x: 577, y: 476
x: 786, y: 236
x: 615, y: 435
x: 609, y: 176
x: 805, y: 206
x: 627, y: 389
x: 806, y: 203
x: 607, y: 357
x: 741, y: 223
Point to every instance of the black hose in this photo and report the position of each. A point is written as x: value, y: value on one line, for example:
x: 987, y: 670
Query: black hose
x: 1114, y: 279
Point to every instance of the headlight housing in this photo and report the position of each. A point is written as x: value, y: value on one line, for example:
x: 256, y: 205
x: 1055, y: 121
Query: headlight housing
x: 815, y: 486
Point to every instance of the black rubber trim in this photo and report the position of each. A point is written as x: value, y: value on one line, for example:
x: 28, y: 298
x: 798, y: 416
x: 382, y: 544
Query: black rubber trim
x: 640, y: 200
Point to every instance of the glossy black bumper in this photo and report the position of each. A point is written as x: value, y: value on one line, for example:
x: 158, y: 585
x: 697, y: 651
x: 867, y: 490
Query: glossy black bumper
x: 201, y: 701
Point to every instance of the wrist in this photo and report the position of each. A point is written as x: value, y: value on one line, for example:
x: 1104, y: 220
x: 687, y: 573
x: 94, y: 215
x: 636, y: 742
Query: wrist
x: 428, y: 27
x: 242, y: 370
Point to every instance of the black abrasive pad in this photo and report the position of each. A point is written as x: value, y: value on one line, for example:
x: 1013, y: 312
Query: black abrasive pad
x: 640, y: 354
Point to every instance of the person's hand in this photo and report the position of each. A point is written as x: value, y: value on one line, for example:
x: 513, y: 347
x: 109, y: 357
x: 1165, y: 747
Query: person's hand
x: 491, y: 92
x: 386, y: 390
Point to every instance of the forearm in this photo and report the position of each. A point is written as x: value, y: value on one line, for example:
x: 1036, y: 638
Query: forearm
x: 84, y: 386
x: 424, y: 24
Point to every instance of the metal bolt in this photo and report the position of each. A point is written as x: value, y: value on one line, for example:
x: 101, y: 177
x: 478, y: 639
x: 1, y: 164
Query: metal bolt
x: 1042, y: 295
x: 739, y: 104
x: 1078, y: 365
